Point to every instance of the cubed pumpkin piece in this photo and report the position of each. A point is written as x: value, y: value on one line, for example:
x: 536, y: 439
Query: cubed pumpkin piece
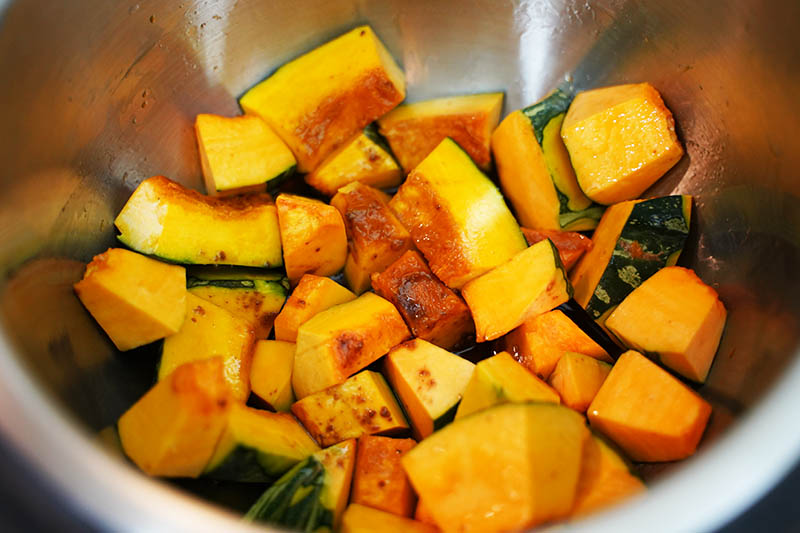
x: 529, y: 284
x: 379, y: 480
x: 362, y: 405
x: 271, y: 373
x: 258, y: 446
x: 456, y: 216
x: 498, y: 380
x: 464, y: 472
x: 650, y: 414
x: 414, y: 130
x: 365, y: 158
x: 535, y: 171
x: 422, y: 514
x: 325, y: 97
x: 313, y: 237
x: 340, y: 341
x: 312, y: 295
x: 362, y: 519
x: 240, y: 154
x: 429, y: 382
x: 577, y: 378
x: 174, y: 428
x: 433, y: 311
x: 376, y: 238
x: 208, y: 331
x: 620, y: 140
x: 571, y: 245
x: 676, y: 316
x: 135, y: 299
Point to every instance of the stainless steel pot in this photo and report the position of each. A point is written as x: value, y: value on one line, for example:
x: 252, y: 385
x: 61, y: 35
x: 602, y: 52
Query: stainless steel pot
x: 100, y: 95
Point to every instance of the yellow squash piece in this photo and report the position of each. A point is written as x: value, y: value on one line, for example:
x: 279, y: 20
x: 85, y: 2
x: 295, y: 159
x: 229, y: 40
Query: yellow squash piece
x: 362, y: 519
x: 362, y: 405
x: 577, y: 378
x: 240, y: 154
x: 499, y: 379
x: 342, y: 340
x: 211, y: 331
x: 456, y: 216
x: 173, y: 429
x: 414, y: 130
x: 135, y: 299
x: 165, y: 219
x: 620, y: 140
x: 271, y: 373
x: 312, y: 295
x: 323, y: 98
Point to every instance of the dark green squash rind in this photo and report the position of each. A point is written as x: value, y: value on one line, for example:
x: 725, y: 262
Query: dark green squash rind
x: 249, y: 465
x: 542, y: 112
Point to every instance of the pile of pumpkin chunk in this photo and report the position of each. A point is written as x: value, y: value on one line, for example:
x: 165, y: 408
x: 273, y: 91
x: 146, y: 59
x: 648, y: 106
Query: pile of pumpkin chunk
x: 349, y: 401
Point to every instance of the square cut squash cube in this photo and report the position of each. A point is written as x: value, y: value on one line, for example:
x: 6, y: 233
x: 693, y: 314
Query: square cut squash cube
x: 379, y: 480
x: 312, y: 295
x: 359, y: 518
x: 271, y: 373
x: 577, y: 378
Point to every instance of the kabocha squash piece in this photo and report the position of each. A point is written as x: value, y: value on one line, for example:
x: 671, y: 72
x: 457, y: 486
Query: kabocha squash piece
x: 535, y: 170
x: 499, y: 379
x: 173, y: 429
x: 376, y: 238
x: 577, y: 378
x: 675, y: 316
x: 312, y: 295
x: 651, y: 415
x: 620, y: 140
x: 379, y: 480
x: 165, y: 219
x: 208, y: 331
x: 429, y: 382
x: 422, y: 514
x: 135, y: 299
x: 240, y: 154
x: 311, y: 496
x: 365, y: 158
x: 432, y: 311
x: 271, y: 373
x: 362, y: 519
x: 571, y: 245
x: 258, y: 446
x: 633, y: 241
x: 325, y: 97
x: 340, y: 341
x: 362, y: 405
x: 464, y: 472
x: 252, y: 296
x: 414, y: 130
x: 605, y: 478
x: 531, y: 283
x: 312, y: 235
x: 456, y: 216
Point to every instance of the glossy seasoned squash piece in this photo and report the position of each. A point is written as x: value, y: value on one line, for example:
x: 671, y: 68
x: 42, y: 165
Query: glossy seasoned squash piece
x: 312, y: 295
x: 271, y: 373
x: 414, y: 130
x: 620, y: 140
x: 651, y: 415
x: 456, y: 216
x: 376, y: 238
x: 433, y: 311
x: 362, y: 405
x: 531, y: 283
x: 323, y: 98
x: 208, y: 331
x: 135, y: 299
x: 571, y: 245
x: 429, y: 382
x: 379, y: 480
x: 577, y: 378
x: 165, y: 219
x: 499, y: 379
x: 633, y: 241
x: 464, y: 472
x: 535, y: 171
x: 173, y: 429
x: 362, y: 519
x: 258, y: 446
x: 240, y: 154
x: 365, y: 159
x: 675, y: 316
x: 313, y: 237
x: 312, y: 495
